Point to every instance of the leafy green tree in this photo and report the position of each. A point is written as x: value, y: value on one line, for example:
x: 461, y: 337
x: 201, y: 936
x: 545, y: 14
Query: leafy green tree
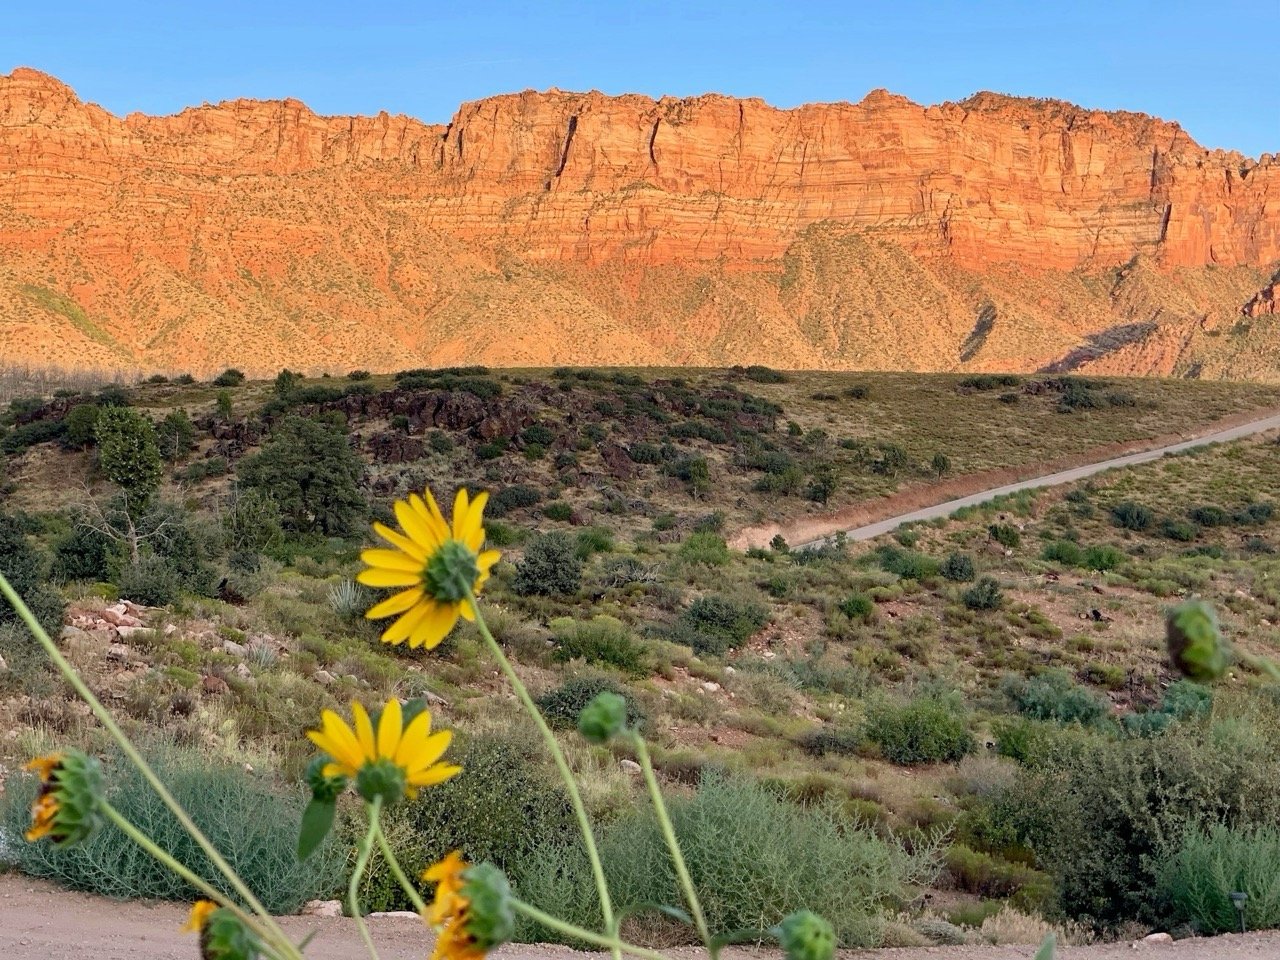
x: 129, y: 452
x: 286, y: 382
x: 224, y: 404
x: 251, y: 523
x: 24, y: 568
x: 941, y: 465
x: 176, y: 435
x: 312, y: 474
x: 80, y: 421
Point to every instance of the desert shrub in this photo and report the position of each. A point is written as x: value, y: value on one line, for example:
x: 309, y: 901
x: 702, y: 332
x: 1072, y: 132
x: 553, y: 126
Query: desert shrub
x: 858, y: 606
x: 538, y: 433
x: 491, y: 450
x: 705, y: 548
x: 1103, y: 558
x: 1183, y: 700
x: 1253, y: 513
x: 753, y: 857
x: 693, y: 470
x: 29, y: 434
x: 1066, y: 552
x: 251, y: 522
x: 1211, y: 864
x: 83, y: 553
x: 549, y: 567
x: 231, y: 377
x: 828, y: 739
x: 253, y: 824
x: 308, y: 468
x: 593, y: 540
x: 1208, y: 515
x: 1005, y: 534
x: 151, y: 581
x: 1132, y: 516
x: 25, y: 569
x: 1182, y: 531
x: 713, y: 623
x: 983, y: 875
x: 1054, y: 696
x: 559, y: 510
x: 497, y: 809
x: 564, y: 704
x: 129, y: 451
x: 440, y: 442
x: 984, y: 595
x: 641, y: 452
x: 176, y: 435
x: 958, y: 567
x: 358, y: 375
x: 1103, y: 815
x: 908, y: 564
x: 989, y: 381
x: 602, y: 641
x: 922, y: 731
x: 760, y: 374
x: 515, y: 497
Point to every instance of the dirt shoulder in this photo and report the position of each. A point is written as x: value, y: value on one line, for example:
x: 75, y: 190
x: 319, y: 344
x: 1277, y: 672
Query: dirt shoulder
x: 41, y: 922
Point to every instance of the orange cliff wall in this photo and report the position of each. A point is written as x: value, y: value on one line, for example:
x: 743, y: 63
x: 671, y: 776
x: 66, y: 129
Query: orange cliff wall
x: 590, y: 178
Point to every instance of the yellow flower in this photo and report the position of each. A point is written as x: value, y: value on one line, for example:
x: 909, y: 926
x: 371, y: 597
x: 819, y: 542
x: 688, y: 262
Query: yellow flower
x: 449, y: 913
x: 395, y: 761
x: 66, y: 807
x: 447, y: 876
x: 433, y: 565
x: 201, y: 910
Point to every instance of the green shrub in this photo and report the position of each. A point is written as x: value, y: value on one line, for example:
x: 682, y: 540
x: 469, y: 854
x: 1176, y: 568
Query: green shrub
x: 501, y: 805
x: 129, y: 451
x: 705, y: 548
x: 563, y: 705
x: 1103, y: 814
x: 1210, y: 865
x: 29, y: 434
x: 984, y: 595
x: 761, y: 374
x: 80, y: 423
x: 714, y: 623
x: 985, y: 876
x: 858, y: 606
x: 515, y: 497
x: 83, y: 554
x: 151, y: 581
x: 1253, y: 514
x: 1054, y: 696
x: 1208, y: 515
x: 593, y: 540
x: 828, y: 739
x: 1005, y: 534
x: 958, y: 567
x: 922, y: 731
x: 1065, y: 552
x: 539, y: 433
x: 1132, y: 516
x: 549, y: 567
x: 1183, y: 531
x: 907, y: 564
x: 602, y: 640
x: 1103, y: 558
x: 253, y: 824
x: 176, y: 435
x: 440, y: 442
x: 358, y: 375
x: 559, y: 510
x: 25, y: 569
x: 231, y: 377
x: 753, y: 856
x: 641, y: 452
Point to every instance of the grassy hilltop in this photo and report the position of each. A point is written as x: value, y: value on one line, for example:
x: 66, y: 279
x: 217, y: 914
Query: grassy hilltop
x: 980, y: 707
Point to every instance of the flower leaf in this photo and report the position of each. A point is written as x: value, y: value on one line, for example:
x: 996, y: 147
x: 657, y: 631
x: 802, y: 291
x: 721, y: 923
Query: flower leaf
x: 317, y: 821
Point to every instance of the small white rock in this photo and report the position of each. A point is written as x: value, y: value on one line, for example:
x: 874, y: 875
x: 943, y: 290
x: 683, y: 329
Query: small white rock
x: 711, y: 686
x: 323, y: 676
x: 322, y: 908
x: 1158, y: 938
x: 630, y: 766
x: 398, y: 914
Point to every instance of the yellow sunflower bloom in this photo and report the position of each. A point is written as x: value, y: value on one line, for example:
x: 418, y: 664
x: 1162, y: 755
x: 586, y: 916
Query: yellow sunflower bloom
x: 471, y: 912
x: 394, y: 761
x: 66, y: 807
x: 447, y: 876
x: 201, y: 910
x: 433, y: 566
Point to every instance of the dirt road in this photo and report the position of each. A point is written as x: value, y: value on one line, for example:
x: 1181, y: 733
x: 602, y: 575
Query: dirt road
x: 41, y: 922
x: 816, y: 530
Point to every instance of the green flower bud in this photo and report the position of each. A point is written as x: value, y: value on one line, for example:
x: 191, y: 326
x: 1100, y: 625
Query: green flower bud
x: 490, y: 920
x: 451, y: 572
x: 1196, y: 647
x: 325, y: 789
x: 603, y: 718
x: 806, y: 936
x: 382, y: 778
x: 225, y: 937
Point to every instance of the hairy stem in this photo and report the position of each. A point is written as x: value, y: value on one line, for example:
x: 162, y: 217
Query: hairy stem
x: 131, y: 752
x: 397, y: 871
x: 669, y: 835
x: 362, y: 864
x: 562, y: 765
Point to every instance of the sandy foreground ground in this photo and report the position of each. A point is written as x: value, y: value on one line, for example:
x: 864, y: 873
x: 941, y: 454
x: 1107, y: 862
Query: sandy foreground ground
x: 41, y: 922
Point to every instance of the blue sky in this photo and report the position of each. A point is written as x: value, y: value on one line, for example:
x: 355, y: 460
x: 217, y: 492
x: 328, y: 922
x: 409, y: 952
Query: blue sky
x: 1210, y: 66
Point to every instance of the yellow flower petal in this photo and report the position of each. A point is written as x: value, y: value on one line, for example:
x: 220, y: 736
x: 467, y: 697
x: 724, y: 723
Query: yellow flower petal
x: 474, y: 519
x: 435, y: 626
x: 201, y: 910
x: 400, y: 631
x: 336, y: 739
x: 391, y: 560
x: 364, y: 730
x: 431, y: 518
x: 487, y: 559
x: 379, y: 577
x: 433, y: 775
x: 415, y: 526
x: 434, y: 507
x: 390, y: 726
x: 418, y: 730
x: 460, y: 503
x: 399, y: 541
x: 426, y: 751
x: 394, y: 604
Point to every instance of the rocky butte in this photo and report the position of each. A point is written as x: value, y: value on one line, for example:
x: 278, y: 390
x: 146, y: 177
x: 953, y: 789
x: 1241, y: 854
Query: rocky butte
x: 547, y: 228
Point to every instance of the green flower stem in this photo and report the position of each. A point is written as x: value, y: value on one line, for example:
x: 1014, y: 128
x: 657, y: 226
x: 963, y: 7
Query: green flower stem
x: 362, y: 864
x: 397, y: 871
x: 669, y: 834
x: 285, y: 949
x: 562, y: 764
x: 587, y: 936
x: 131, y: 752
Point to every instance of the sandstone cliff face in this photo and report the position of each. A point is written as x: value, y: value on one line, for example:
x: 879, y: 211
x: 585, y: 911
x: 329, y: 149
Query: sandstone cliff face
x: 383, y: 240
